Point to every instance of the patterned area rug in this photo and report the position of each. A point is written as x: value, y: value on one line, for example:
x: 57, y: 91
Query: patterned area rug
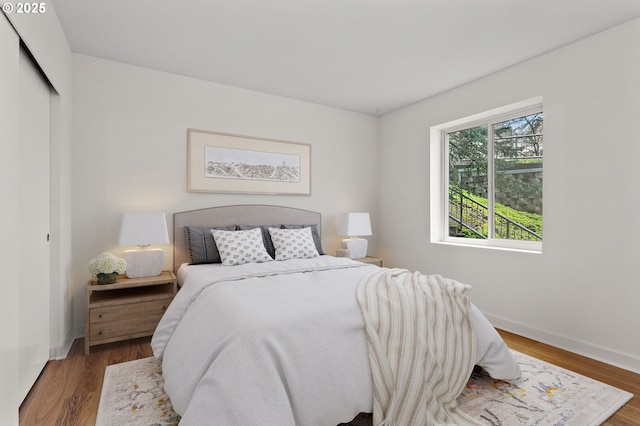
x: 545, y: 395
x: 133, y: 394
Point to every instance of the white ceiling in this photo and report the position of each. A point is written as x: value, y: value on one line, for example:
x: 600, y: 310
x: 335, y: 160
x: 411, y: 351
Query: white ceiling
x: 370, y: 56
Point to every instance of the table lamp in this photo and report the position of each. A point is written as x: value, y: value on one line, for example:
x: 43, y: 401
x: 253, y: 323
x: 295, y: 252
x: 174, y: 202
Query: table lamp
x: 143, y: 230
x: 355, y: 225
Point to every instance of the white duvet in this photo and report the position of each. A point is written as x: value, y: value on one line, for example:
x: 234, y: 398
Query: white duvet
x: 279, y: 343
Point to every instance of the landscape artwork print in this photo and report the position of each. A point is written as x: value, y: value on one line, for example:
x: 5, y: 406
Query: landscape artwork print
x: 223, y: 162
x: 229, y: 163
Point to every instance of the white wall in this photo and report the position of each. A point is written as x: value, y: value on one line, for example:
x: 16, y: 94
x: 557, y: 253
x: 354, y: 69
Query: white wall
x: 9, y: 257
x: 130, y: 152
x: 582, y: 292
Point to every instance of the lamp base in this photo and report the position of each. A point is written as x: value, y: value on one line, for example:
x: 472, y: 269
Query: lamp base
x: 143, y: 263
x: 357, y: 247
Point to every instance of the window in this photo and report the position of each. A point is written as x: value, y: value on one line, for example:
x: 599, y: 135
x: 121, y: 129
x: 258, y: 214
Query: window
x: 493, y: 179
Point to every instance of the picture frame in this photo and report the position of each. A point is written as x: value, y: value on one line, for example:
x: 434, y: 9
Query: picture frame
x: 238, y: 164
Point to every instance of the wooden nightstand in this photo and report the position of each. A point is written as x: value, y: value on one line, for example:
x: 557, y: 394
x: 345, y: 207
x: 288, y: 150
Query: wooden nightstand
x: 127, y: 309
x: 371, y: 259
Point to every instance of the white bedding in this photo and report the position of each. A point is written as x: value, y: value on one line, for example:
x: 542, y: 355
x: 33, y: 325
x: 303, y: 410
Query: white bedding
x: 279, y: 343
x: 186, y: 269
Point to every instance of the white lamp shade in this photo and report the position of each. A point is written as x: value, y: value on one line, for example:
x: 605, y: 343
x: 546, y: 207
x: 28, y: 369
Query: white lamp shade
x: 354, y: 224
x: 142, y: 229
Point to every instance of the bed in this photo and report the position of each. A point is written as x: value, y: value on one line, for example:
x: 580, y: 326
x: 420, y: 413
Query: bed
x: 278, y: 342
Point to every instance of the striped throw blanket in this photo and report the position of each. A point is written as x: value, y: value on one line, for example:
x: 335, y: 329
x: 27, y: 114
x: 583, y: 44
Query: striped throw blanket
x: 421, y: 347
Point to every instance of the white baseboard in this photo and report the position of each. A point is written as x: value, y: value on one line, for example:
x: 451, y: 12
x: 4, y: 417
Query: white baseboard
x: 61, y: 352
x: 599, y: 353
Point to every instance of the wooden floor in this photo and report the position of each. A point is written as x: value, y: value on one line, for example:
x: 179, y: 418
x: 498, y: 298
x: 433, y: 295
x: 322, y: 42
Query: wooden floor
x: 68, y: 391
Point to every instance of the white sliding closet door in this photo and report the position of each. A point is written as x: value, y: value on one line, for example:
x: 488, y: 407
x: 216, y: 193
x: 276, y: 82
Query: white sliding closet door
x: 33, y: 181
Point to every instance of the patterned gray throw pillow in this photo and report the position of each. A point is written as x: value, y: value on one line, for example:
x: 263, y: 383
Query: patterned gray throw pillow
x: 240, y: 247
x: 293, y: 243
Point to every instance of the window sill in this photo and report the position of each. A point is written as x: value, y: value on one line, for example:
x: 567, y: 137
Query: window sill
x: 518, y: 248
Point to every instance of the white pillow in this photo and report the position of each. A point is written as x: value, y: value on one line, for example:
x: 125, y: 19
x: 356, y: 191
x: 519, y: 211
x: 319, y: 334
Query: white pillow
x: 240, y: 247
x: 293, y: 243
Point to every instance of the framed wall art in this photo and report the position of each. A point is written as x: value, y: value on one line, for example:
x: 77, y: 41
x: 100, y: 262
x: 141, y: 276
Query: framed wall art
x: 224, y: 162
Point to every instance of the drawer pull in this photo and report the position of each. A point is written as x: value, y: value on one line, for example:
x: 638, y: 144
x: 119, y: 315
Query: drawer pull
x: 100, y: 316
x: 100, y: 333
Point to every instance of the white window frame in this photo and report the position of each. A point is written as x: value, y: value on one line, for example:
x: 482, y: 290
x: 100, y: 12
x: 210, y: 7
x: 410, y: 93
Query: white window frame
x: 440, y: 180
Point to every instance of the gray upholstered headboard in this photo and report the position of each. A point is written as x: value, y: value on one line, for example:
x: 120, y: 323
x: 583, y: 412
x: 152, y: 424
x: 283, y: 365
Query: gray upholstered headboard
x: 250, y: 214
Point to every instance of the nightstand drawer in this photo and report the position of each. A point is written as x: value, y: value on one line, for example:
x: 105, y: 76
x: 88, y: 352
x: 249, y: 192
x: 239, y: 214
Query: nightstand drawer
x: 129, y: 311
x: 141, y: 326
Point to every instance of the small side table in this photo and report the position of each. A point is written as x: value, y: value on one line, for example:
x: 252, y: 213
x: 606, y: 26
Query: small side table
x: 127, y: 309
x: 371, y: 259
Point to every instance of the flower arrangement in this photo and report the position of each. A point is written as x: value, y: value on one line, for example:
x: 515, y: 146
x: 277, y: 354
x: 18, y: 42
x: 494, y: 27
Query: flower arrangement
x: 106, y: 267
